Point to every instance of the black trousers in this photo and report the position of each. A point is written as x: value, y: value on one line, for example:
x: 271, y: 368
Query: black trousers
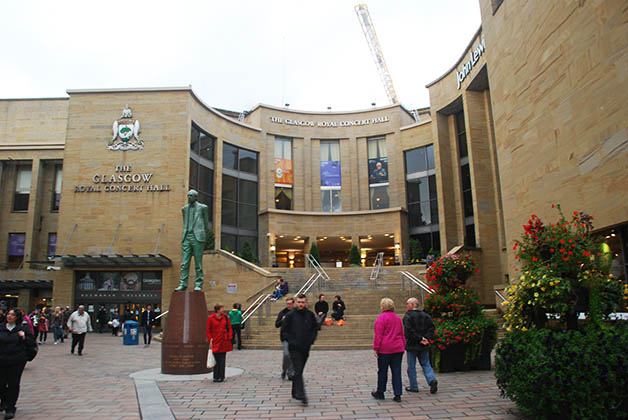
x: 148, y: 331
x: 299, y: 358
x: 237, y: 331
x: 80, y: 340
x: 219, y: 369
x: 10, y: 384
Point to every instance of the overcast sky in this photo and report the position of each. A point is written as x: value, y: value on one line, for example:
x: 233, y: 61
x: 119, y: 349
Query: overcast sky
x: 235, y: 54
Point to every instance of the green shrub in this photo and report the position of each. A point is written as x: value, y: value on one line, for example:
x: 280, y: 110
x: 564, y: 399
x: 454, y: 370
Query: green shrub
x: 210, y: 241
x: 247, y: 252
x: 354, y: 256
x: 416, y: 251
x: 314, y: 253
x: 566, y: 374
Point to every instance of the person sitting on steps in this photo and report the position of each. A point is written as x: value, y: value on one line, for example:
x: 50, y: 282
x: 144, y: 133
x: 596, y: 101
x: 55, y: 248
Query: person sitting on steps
x: 338, y: 308
x: 281, y: 289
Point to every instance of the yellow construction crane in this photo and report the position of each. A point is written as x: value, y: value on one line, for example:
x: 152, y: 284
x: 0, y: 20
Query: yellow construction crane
x: 369, y: 32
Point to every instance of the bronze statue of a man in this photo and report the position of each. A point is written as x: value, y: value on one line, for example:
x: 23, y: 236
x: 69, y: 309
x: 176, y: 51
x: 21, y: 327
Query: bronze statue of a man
x: 195, y: 234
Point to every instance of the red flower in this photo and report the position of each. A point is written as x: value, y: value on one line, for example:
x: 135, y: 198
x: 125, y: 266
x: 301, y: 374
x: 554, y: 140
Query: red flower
x: 551, y: 249
x: 565, y: 258
x: 535, y: 259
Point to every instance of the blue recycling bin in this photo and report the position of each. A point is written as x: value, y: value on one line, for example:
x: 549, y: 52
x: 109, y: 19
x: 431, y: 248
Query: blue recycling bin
x: 131, y: 333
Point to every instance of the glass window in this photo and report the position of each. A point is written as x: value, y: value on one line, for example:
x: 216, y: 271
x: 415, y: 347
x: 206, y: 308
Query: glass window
x: 229, y: 188
x: 461, y: 135
x: 229, y: 212
x: 434, y: 211
x: 229, y: 156
x: 22, y: 188
x: 194, y: 137
x: 330, y: 150
x: 377, y: 161
x: 206, y: 144
x: 247, y: 217
x: 432, y: 186
x: 412, y: 187
x: 430, y: 157
x: 283, y: 148
x: 252, y: 240
x: 16, y: 250
x: 379, y: 197
x: 416, y: 160
x: 469, y: 239
x: 248, y: 161
x: 247, y: 193
x: 229, y: 242
x: 193, y: 174
x: 52, y: 243
x: 56, y: 193
x: 206, y: 180
x: 376, y: 148
x: 331, y: 200
x: 283, y: 198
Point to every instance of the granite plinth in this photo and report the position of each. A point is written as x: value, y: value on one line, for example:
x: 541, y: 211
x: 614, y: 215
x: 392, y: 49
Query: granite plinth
x: 184, y: 346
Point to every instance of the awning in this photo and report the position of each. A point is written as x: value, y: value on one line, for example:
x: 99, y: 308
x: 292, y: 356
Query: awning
x: 25, y: 284
x: 116, y: 260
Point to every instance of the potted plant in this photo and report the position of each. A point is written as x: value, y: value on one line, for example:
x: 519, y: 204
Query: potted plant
x: 464, y: 336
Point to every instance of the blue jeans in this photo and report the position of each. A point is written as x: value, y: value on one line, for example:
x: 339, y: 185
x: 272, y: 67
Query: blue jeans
x: 424, y: 360
x: 383, y: 362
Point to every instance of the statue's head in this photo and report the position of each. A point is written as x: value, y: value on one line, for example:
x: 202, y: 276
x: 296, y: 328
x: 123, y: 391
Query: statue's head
x: 192, y: 196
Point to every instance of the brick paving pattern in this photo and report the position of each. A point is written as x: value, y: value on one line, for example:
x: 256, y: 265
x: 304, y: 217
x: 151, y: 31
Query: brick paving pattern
x: 57, y: 385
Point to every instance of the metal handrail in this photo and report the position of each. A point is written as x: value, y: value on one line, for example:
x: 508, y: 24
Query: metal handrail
x: 317, y: 267
x: 377, y: 265
x: 261, y: 299
x: 309, y: 283
x: 500, y: 295
x: 418, y: 282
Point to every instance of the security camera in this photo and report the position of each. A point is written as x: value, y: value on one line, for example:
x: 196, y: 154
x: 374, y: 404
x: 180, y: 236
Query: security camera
x: 52, y: 267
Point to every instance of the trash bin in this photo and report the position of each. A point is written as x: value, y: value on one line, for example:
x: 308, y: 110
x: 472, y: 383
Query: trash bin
x: 130, y: 333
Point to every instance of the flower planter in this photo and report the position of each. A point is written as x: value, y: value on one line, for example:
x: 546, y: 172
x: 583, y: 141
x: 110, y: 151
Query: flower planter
x: 454, y: 357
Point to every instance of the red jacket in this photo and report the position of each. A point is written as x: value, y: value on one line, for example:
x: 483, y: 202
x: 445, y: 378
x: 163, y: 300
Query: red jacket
x: 219, y: 332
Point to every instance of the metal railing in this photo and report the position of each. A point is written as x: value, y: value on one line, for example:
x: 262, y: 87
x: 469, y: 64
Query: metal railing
x: 320, y: 270
x: 423, y: 287
x: 499, y: 295
x: 261, y: 300
x: 379, y: 259
x: 309, y: 283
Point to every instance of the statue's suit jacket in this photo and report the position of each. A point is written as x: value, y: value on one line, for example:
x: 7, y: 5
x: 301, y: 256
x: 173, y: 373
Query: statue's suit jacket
x: 200, y: 224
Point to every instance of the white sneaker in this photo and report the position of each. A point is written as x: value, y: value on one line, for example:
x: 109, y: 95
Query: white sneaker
x: 56, y: 343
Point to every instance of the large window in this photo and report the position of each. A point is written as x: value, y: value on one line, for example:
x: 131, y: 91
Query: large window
x: 202, y: 147
x: 56, y: 192
x: 331, y: 180
x: 22, y: 188
x: 239, y: 198
x: 16, y: 250
x: 283, y: 173
x: 422, y: 198
x: 378, y: 173
x: 465, y: 178
x: 52, y: 243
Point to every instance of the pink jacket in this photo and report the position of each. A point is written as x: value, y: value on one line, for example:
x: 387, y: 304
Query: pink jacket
x: 389, y: 336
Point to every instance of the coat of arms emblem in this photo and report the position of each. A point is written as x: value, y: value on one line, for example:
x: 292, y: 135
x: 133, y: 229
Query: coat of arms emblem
x: 126, y: 133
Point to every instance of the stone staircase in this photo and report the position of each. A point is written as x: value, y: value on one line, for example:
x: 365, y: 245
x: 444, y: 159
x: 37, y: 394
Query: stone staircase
x: 360, y: 294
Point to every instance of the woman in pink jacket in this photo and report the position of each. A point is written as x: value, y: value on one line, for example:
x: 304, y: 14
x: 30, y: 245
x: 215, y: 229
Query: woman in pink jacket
x: 389, y: 344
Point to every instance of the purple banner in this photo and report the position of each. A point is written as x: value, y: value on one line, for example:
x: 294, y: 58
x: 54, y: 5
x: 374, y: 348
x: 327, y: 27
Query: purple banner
x: 330, y: 173
x: 16, y: 244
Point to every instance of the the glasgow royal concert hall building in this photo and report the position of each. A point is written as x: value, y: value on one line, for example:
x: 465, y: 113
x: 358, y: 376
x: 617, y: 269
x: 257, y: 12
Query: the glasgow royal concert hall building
x: 533, y: 113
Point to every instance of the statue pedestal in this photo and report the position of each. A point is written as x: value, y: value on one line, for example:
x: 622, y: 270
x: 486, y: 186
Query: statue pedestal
x: 184, y: 346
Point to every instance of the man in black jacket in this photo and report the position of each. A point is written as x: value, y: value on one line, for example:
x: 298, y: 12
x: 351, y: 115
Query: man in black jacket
x: 147, y: 321
x: 286, y: 367
x: 419, y: 330
x: 301, y: 328
x: 320, y: 309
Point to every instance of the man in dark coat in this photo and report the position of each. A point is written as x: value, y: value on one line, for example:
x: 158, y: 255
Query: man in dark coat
x: 147, y: 320
x: 419, y: 330
x: 286, y: 366
x: 301, y: 328
x: 320, y: 309
x: 102, y: 319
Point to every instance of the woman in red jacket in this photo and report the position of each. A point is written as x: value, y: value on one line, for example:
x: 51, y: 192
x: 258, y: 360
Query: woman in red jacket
x: 219, y: 334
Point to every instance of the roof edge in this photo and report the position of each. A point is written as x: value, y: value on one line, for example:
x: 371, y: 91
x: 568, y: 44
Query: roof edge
x: 464, y: 54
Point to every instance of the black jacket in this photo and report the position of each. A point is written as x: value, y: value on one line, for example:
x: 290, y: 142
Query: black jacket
x: 144, y: 316
x: 279, y: 323
x: 300, y: 328
x: 12, y: 347
x: 339, y: 307
x: 416, y: 325
x: 321, y: 307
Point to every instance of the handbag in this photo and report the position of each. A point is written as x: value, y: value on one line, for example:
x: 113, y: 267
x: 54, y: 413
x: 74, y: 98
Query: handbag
x: 211, y: 360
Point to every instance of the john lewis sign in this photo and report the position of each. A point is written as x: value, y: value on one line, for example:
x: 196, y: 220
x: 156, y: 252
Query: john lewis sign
x: 474, y: 56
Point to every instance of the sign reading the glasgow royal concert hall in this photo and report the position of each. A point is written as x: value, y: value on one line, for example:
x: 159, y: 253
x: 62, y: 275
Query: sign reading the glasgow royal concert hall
x: 124, y: 179
x: 466, y: 67
x: 331, y: 124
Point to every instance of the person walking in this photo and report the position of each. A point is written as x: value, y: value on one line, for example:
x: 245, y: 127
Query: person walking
x: 17, y: 345
x: 388, y: 345
x: 301, y: 329
x: 235, y: 317
x: 66, y: 316
x: 57, y: 325
x: 115, y: 322
x: 42, y: 329
x: 287, y: 369
x: 79, y: 324
x: 147, y: 320
x: 101, y: 319
x: 219, y: 335
x: 320, y: 309
x: 419, y: 330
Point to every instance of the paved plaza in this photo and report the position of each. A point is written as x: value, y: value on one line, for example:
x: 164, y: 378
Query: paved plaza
x: 97, y: 385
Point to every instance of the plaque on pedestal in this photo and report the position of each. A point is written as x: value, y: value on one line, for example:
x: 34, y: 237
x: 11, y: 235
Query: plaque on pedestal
x: 184, y: 346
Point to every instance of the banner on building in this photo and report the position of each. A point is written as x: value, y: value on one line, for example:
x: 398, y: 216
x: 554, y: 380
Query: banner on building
x: 283, y: 171
x: 330, y: 173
